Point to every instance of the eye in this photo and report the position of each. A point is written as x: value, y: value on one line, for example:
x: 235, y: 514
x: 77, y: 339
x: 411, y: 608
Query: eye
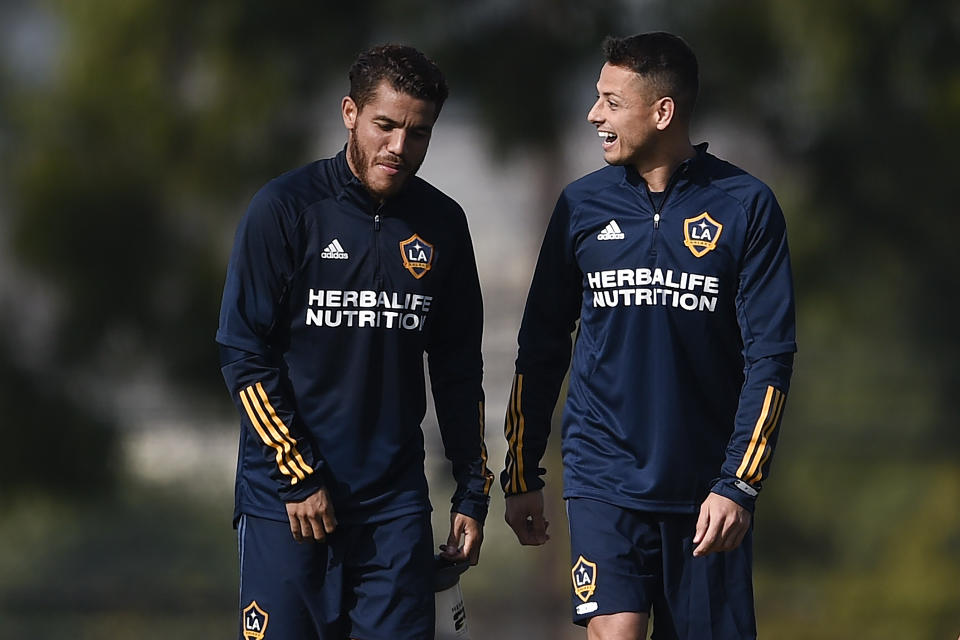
x: 612, y: 104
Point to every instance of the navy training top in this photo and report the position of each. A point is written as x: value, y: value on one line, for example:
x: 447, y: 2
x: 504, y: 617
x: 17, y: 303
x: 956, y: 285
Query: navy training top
x: 330, y: 302
x: 685, y: 345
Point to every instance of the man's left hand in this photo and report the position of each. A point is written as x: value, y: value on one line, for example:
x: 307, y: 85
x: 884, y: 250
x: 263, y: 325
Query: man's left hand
x: 470, y: 532
x: 721, y: 525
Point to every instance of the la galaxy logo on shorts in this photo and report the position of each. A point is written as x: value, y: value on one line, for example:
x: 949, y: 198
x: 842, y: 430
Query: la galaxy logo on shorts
x: 584, y: 575
x: 417, y: 255
x: 701, y: 234
x: 254, y: 622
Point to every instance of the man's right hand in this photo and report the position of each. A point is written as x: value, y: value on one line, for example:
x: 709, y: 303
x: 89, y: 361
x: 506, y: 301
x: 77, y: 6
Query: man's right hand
x: 312, y: 518
x: 524, y: 514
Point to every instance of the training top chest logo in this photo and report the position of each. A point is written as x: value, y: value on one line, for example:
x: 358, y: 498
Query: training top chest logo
x: 701, y: 233
x: 417, y: 255
x: 611, y: 232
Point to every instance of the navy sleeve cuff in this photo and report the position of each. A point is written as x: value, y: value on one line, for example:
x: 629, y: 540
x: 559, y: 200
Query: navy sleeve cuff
x: 473, y: 506
x: 738, y: 491
x: 302, y: 490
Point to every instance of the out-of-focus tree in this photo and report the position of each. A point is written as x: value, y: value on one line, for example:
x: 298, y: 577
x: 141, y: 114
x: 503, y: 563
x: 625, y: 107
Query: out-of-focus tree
x: 128, y: 160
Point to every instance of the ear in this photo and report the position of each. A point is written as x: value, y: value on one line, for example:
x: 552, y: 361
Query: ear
x: 665, y: 110
x: 349, y: 111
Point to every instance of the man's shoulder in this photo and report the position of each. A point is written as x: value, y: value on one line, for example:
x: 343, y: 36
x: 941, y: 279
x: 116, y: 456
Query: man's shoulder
x: 591, y: 184
x: 422, y: 192
x: 301, y: 186
x: 732, y: 180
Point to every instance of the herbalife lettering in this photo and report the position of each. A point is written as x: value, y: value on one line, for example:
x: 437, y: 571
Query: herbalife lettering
x: 367, y: 309
x: 654, y: 287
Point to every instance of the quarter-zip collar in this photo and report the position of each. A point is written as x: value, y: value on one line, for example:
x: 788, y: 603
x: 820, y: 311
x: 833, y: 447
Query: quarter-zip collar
x: 683, y: 170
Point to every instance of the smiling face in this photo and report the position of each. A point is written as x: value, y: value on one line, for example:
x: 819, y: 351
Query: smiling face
x: 629, y: 116
x: 388, y: 138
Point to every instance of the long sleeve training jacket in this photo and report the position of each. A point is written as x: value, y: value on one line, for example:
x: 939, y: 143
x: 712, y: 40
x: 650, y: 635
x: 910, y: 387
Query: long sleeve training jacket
x: 330, y: 302
x: 685, y: 344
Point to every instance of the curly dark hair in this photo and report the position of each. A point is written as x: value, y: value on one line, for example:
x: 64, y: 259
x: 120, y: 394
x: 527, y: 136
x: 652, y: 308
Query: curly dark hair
x: 664, y: 60
x: 405, y: 68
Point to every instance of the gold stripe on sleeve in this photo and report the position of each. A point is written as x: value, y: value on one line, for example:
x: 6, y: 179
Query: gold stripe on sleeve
x: 520, y: 426
x: 283, y: 430
x: 757, y: 432
x: 263, y: 435
x: 283, y: 445
x: 763, y: 453
x: 510, y: 432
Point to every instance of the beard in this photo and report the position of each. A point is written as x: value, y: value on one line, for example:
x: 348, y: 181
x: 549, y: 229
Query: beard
x: 362, y: 162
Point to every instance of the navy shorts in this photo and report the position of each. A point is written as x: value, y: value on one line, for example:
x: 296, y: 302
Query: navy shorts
x: 626, y: 560
x: 369, y: 581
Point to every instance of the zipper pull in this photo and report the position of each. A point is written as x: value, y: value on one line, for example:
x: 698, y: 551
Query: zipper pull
x: 656, y: 221
x: 376, y: 222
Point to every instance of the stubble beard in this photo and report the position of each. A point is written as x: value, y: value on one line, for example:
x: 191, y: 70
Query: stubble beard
x: 361, y: 163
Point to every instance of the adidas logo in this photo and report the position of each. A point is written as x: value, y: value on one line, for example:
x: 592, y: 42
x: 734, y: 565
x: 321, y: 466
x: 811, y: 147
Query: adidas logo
x: 334, y: 251
x: 611, y: 232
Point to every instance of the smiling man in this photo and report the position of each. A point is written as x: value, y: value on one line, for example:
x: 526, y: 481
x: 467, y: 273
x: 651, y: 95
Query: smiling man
x: 344, y: 272
x: 676, y: 265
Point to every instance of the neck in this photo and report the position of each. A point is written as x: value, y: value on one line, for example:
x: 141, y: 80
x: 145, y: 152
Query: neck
x: 659, y: 167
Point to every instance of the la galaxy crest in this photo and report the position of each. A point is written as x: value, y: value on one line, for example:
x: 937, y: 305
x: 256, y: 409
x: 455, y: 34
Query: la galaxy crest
x: 584, y: 575
x: 254, y: 622
x: 700, y: 234
x: 417, y: 255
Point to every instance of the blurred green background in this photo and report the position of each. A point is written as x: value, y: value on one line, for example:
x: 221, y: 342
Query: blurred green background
x: 133, y: 133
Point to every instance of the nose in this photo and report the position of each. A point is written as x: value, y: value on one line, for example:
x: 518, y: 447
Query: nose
x: 397, y: 141
x: 593, y: 116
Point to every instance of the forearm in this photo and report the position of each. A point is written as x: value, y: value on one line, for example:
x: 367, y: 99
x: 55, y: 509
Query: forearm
x: 257, y: 389
x: 757, y: 428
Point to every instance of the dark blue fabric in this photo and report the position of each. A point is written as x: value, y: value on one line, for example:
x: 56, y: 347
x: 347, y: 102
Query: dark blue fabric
x: 644, y: 563
x: 323, y: 328
x: 371, y: 581
x: 684, y: 350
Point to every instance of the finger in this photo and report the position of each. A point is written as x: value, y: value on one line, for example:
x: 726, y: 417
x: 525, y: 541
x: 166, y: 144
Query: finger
x: 456, y: 533
x: 538, y: 527
x: 521, y: 532
x: 295, y: 528
x: 451, y: 550
x: 708, y: 541
x: 313, y: 528
x: 329, y: 520
x: 471, y: 548
x: 533, y: 531
x: 703, y: 521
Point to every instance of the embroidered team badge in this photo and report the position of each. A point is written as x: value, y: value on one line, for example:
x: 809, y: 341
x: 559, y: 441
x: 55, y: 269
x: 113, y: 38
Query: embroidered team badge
x: 254, y: 622
x: 584, y: 575
x: 701, y: 234
x: 417, y: 255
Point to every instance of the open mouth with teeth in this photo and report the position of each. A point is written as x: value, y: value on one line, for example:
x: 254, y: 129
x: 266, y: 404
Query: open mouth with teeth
x: 607, y: 137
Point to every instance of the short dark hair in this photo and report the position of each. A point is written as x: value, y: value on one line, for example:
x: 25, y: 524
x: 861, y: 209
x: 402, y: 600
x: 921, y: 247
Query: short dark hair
x: 405, y: 68
x: 664, y: 60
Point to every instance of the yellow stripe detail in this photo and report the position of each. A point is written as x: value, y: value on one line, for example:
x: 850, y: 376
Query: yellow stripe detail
x: 757, y: 432
x: 509, y: 431
x: 263, y: 435
x: 283, y: 429
x: 763, y: 453
x: 520, y: 425
x: 283, y: 445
